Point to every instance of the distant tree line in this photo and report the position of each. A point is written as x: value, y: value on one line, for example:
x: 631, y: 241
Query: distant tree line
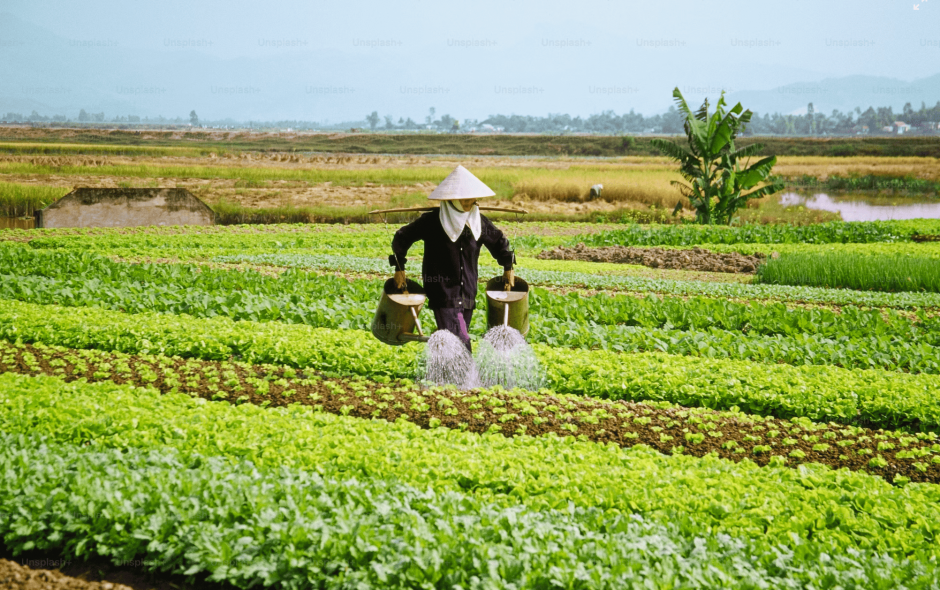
x: 871, y: 120
x: 857, y: 122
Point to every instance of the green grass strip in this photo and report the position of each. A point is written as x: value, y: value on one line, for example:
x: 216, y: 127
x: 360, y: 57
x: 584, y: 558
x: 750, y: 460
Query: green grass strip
x: 18, y: 200
x: 853, y: 271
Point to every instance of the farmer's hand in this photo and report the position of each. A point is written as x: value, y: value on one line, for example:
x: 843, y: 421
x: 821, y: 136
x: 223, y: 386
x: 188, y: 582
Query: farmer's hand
x: 509, y: 280
x: 400, y: 279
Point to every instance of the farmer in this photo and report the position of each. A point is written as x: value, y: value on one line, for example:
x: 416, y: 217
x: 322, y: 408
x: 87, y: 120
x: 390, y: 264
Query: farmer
x: 452, y: 236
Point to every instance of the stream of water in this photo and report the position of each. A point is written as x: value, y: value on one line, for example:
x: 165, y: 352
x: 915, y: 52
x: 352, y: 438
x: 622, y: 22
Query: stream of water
x: 503, y: 358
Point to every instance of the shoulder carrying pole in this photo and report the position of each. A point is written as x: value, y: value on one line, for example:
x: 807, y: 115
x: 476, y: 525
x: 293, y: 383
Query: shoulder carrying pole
x: 416, y: 209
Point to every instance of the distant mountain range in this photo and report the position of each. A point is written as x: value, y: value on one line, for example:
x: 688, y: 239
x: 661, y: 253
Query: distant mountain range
x: 54, y: 75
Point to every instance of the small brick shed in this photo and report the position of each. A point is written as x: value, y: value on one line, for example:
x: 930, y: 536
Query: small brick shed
x: 125, y: 207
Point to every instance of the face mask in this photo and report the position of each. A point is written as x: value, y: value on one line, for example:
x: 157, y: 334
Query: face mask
x: 454, y: 218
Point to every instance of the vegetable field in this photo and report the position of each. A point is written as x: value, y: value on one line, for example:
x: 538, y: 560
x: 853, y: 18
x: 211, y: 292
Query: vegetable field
x: 210, y: 402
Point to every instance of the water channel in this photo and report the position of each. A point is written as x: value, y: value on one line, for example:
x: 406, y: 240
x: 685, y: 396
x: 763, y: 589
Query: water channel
x: 856, y: 207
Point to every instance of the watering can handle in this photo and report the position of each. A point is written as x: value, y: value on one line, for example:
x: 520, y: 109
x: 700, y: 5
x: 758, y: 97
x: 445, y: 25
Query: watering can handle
x: 417, y: 321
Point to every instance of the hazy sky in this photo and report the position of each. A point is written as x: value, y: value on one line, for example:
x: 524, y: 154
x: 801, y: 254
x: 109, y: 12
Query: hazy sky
x: 476, y: 58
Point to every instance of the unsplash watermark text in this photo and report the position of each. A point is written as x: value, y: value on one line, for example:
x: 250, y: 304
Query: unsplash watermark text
x: 755, y: 43
x: 186, y: 42
x: 377, y: 43
x: 329, y: 90
x: 613, y: 90
x: 467, y: 43
x: 518, y: 89
x: 137, y: 90
x: 282, y: 43
x: 423, y: 90
x: 564, y: 43
x: 660, y: 42
x: 234, y: 89
x: 706, y: 89
x: 802, y: 89
x: 93, y: 43
x: 849, y: 43
x: 46, y: 90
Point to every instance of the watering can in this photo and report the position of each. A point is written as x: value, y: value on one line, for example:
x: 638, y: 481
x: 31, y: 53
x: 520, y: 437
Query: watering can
x: 397, y: 315
x: 507, y: 308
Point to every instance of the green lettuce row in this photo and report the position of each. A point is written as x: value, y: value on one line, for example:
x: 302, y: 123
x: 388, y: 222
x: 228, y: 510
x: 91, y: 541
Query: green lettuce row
x: 834, y: 232
x: 342, y: 309
x: 526, y: 236
x: 812, y: 506
x: 872, y: 352
x: 635, y: 284
x: 768, y: 333
x: 227, y: 521
x: 199, y: 241
x: 366, y: 249
x: 86, y: 278
x: 823, y: 393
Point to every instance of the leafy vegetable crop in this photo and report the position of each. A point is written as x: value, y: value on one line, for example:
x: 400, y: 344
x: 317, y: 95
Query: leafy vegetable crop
x: 871, y: 397
x: 697, y: 327
x: 198, y: 515
x: 663, y: 426
x: 767, y: 506
x: 355, y: 264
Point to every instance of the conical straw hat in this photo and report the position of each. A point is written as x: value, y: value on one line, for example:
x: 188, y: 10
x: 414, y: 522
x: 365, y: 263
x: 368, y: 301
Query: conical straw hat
x: 461, y: 184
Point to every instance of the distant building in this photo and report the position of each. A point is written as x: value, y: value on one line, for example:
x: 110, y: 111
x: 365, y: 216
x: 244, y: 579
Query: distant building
x: 900, y: 127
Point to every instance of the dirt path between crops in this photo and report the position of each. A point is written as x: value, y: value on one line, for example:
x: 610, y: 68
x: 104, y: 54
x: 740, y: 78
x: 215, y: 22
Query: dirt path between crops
x: 671, y: 430
x: 15, y: 576
x: 696, y: 259
x: 47, y: 570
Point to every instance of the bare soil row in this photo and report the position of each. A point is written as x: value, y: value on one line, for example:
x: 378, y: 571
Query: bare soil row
x: 894, y: 456
x: 16, y: 576
x: 697, y: 259
x: 40, y: 570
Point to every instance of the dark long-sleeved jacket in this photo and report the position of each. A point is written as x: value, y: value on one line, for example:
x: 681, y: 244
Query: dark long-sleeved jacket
x: 449, y: 269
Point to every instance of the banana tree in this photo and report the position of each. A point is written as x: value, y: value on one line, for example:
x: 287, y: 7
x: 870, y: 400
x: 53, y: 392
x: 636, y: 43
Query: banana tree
x: 716, y: 172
